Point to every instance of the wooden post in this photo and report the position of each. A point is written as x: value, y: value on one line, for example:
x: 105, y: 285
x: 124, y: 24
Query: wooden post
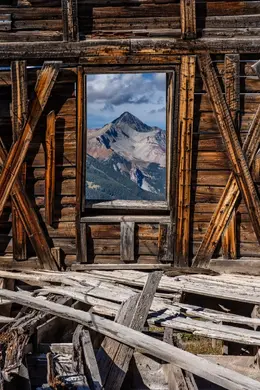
x: 232, y: 95
x: 185, y: 134
x: 113, y: 357
x: 50, y: 168
x: 15, y: 158
x: 81, y: 257
x: 127, y: 241
x: 188, y: 19
x: 19, y: 115
x: 165, y: 243
x: 231, y: 192
x: 70, y: 20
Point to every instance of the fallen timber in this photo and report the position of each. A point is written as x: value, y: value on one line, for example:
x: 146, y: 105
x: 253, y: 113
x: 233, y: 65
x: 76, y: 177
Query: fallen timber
x: 107, y: 298
x: 125, y: 335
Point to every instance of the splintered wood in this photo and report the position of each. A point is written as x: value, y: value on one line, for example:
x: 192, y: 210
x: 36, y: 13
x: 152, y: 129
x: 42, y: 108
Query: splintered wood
x: 93, y: 299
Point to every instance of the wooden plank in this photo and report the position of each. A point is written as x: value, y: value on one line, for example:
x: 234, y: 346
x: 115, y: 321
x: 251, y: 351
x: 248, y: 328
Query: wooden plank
x: 18, y: 229
x: 127, y: 241
x: 256, y: 168
x: 165, y: 243
x: 94, y: 378
x: 246, y: 266
x: 185, y: 135
x: 50, y: 168
x: 30, y: 220
x: 120, y: 355
x: 135, y: 339
x: 231, y: 193
x: 125, y: 218
x: 188, y: 19
x: 70, y: 20
x: 81, y: 246
x: 232, y: 96
x: 19, y: 149
x: 19, y: 116
x: 84, y: 242
x: 175, y: 375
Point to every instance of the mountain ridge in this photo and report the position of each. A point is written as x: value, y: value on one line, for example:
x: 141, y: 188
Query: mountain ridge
x: 132, y: 150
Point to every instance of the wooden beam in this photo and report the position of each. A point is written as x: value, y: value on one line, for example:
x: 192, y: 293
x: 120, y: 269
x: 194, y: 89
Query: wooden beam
x: 93, y: 49
x: 81, y: 252
x: 114, y: 358
x: 93, y: 375
x: 19, y: 115
x: 185, y: 135
x: 188, y: 19
x: 134, y: 339
x: 256, y: 168
x: 19, y: 149
x: 165, y: 243
x: 50, y: 168
x: 241, y: 175
x: 127, y: 241
x: 232, y: 96
x: 30, y: 220
x: 70, y: 20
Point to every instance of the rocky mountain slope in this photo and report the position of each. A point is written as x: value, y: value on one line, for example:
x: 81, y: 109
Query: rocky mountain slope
x: 126, y: 160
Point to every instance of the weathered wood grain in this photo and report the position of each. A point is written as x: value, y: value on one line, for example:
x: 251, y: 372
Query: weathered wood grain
x: 30, y: 220
x: 188, y: 19
x: 70, y: 20
x: 113, y: 357
x: 240, y: 167
x: 134, y: 339
x: 18, y: 151
x: 185, y: 135
x: 232, y: 96
x: 127, y: 241
x: 81, y: 252
x: 50, y: 168
x: 19, y: 116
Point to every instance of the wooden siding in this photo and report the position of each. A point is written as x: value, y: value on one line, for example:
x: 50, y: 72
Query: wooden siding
x: 38, y: 21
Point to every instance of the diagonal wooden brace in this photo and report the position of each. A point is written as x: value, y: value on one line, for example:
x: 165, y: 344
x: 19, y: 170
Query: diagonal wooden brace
x: 15, y: 158
x: 30, y: 220
x: 240, y: 179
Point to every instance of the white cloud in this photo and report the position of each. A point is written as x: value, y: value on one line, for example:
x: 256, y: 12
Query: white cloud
x: 109, y: 95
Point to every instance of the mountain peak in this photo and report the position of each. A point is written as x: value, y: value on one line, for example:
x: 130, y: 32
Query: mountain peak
x: 132, y: 121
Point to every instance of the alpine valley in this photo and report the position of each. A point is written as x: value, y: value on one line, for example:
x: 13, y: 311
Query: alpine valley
x: 126, y: 160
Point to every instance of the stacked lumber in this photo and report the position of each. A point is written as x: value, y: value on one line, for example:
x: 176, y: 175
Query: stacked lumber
x: 101, y: 316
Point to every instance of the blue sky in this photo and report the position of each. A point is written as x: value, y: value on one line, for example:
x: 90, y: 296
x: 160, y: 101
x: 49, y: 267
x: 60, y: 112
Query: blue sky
x: 109, y: 95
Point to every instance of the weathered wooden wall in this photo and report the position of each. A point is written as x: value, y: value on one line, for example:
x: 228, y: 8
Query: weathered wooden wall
x: 211, y: 167
x: 141, y: 18
x: 31, y: 21
x: 134, y: 35
x: 63, y: 102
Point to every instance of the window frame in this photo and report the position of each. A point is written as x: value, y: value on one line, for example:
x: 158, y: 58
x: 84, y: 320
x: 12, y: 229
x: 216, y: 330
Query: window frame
x: 172, y: 81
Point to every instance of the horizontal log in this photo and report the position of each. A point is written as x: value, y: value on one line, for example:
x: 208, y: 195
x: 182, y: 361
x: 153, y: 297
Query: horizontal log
x: 98, y: 47
x: 164, y: 351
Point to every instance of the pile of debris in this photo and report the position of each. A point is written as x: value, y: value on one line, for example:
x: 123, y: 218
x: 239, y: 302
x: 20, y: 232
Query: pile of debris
x: 64, y: 330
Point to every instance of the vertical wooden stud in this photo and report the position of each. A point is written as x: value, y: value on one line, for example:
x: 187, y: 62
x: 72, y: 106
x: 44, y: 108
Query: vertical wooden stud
x: 19, y: 115
x: 256, y: 168
x: 185, y: 134
x: 165, y: 243
x: 232, y: 94
x: 70, y: 20
x: 50, y: 168
x: 127, y: 241
x: 188, y: 19
x: 83, y: 242
x: 79, y: 163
